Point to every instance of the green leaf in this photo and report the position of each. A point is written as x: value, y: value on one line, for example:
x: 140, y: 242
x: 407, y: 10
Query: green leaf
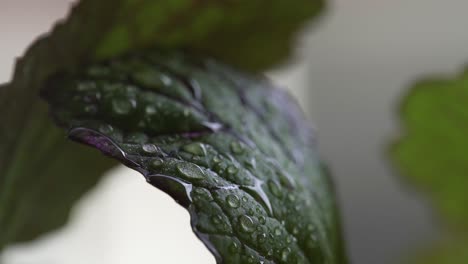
x: 253, y: 35
x: 44, y: 175
x: 432, y: 154
x: 447, y: 252
x: 231, y: 148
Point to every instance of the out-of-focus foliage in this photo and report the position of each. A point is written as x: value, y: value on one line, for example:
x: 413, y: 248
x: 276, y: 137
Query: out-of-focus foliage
x: 432, y: 155
x: 448, y: 252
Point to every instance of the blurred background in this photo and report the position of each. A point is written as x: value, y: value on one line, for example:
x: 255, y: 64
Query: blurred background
x: 350, y: 71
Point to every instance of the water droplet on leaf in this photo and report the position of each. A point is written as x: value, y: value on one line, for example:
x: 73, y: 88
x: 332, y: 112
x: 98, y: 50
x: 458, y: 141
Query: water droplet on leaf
x: 106, y: 129
x: 90, y: 109
x: 277, y: 231
x: 285, y: 254
x: 150, y: 110
x: 149, y: 148
x: 232, y: 170
x: 262, y: 220
x: 233, y: 201
x: 122, y: 106
x: 237, y: 147
x: 195, y: 148
x: 217, y: 219
x: 156, y: 163
x: 234, y: 248
x: 247, y: 224
x: 274, y: 188
x: 190, y: 171
x: 262, y: 238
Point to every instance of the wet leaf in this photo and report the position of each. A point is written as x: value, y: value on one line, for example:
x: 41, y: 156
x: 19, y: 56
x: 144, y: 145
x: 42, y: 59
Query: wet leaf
x: 34, y: 158
x: 230, y: 147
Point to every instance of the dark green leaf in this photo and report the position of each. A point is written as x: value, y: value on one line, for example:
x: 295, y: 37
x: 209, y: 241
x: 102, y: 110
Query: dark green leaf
x: 231, y: 148
x: 42, y: 175
x: 251, y: 34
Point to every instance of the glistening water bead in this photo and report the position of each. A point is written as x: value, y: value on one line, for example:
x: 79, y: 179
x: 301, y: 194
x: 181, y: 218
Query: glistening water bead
x: 275, y: 188
x: 237, y: 147
x: 156, y: 163
x: 246, y: 223
x: 123, y: 106
x: 190, y: 171
x: 233, y: 201
x: 149, y: 148
x: 195, y: 148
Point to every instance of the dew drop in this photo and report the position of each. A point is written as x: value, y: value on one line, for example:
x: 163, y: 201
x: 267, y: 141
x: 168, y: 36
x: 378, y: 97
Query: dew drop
x: 262, y: 238
x: 85, y: 86
x: 92, y: 97
x: 274, y: 188
x: 202, y: 194
x: 277, y: 231
x: 251, y: 163
x: 122, y: 106
x: 166, y: 80
x: 291, y: 197
x: 237, y: 147
x: 233, y: 201
x: 150, y: 110
x: 232, y: 170
x: 216, y: 159
x: 262, y: 220
x: 190, y: 171
x: 286, y: 180
x: 217, y: 219
x: 234, y: 248
x: 195, y: 148
x: 257, y: 191
x: 137, y: 138
x: 213, y: 126
x: 246, y: 223
x: 295, y: 231
x: 90, y: 109
x: 106, y: 129
x: 156, y: 163
x: 149, y: 148
x: 285, y: 254
x: 312, y: 241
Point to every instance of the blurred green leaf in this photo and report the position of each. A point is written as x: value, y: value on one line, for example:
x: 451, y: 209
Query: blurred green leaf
x: 35, y: 190
x: 432, y: 154
x: 447, y: 252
